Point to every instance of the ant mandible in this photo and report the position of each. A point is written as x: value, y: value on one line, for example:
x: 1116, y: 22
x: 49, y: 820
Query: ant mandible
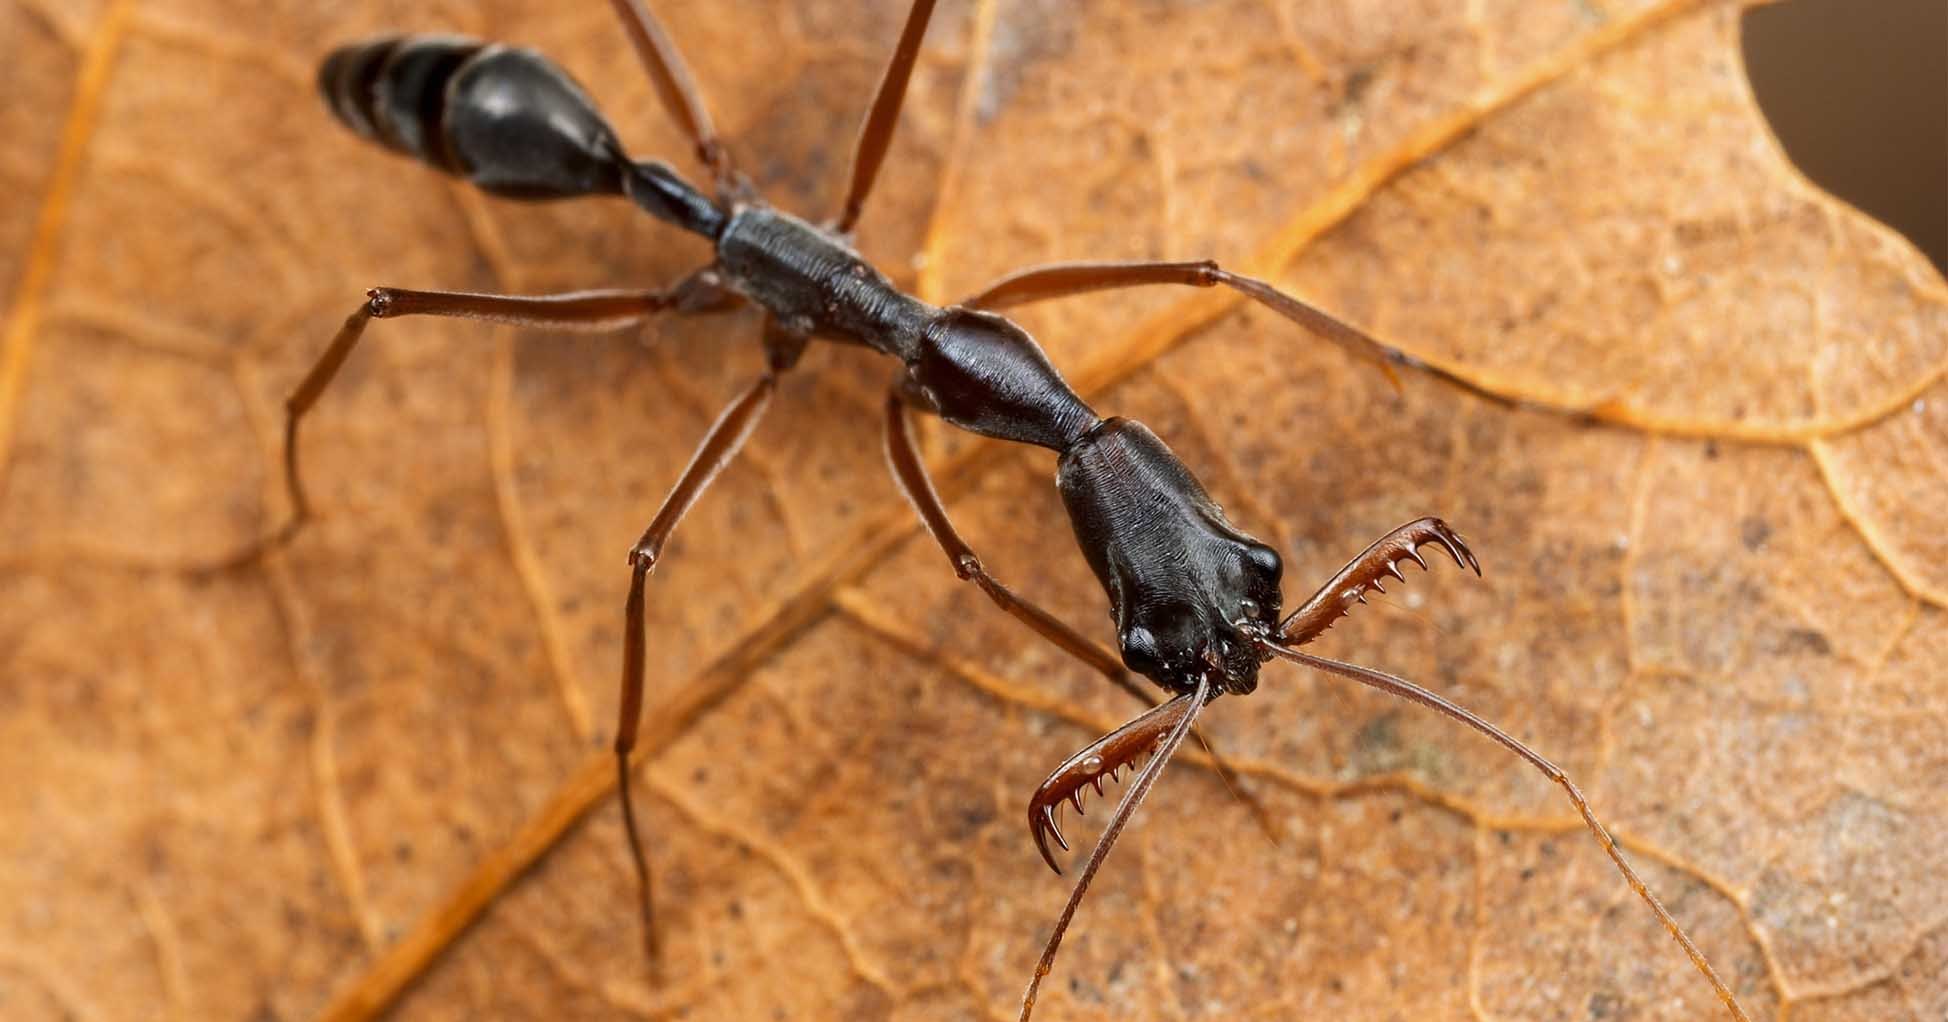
x: 1195, y: 599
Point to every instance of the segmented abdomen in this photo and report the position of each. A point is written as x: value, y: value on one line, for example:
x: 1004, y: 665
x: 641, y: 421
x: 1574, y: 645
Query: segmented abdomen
x: 393, y: 90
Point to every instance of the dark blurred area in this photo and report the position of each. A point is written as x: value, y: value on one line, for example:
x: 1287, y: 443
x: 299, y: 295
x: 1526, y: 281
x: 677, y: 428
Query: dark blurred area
x: 1857, y: 90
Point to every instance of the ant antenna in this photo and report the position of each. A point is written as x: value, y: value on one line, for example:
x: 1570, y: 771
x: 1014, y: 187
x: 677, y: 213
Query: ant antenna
x: 1189, y: 705
x: 1408, y: 690
x: 1251, y: 805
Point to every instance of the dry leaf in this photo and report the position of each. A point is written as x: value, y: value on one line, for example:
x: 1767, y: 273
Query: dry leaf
x: 275, y: 793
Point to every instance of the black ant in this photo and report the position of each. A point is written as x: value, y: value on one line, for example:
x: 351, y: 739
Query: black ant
x: 1196, y: 600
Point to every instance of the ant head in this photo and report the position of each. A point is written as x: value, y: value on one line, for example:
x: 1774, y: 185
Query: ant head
x: 1208, y: 620
x: 1191, y: 593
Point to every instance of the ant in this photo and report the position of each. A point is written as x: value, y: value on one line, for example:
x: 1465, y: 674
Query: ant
x: 1195, y: 599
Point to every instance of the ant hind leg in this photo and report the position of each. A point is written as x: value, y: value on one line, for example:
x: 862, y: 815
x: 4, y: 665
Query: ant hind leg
x: 720, y: 444
x: 677, y: 90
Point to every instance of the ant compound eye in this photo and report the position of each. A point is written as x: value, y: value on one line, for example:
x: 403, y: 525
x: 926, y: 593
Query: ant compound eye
x: 1141, y: 652
x: 1263, y: 561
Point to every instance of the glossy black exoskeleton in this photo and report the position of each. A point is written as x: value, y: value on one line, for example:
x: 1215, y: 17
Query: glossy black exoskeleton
x: 1196, y: 600
x: 1188, y: 589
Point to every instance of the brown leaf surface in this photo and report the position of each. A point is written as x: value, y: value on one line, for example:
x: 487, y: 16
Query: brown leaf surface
x: 274, y: 793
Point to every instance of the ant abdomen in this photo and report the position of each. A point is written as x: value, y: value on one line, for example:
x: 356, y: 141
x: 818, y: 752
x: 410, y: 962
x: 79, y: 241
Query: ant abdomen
x: 392, y: 90
x: 506, y: 119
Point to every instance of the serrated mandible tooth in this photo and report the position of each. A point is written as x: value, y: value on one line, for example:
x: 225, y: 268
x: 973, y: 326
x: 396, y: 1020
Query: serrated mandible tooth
x: 1055, y: 831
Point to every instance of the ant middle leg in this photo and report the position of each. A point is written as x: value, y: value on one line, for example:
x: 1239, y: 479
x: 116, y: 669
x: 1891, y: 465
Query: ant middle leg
x: 720, y: 444
x: 582, y: 310
x: 1061, y: 280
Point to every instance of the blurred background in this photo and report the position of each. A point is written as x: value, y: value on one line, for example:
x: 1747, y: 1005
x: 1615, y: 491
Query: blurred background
x: 1858, y: 93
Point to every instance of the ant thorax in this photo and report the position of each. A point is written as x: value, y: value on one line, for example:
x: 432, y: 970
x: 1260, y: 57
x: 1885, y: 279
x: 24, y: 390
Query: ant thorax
x: 815, y: 285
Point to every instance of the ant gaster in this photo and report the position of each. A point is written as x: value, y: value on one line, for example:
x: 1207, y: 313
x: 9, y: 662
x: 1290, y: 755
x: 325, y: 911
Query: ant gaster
x: 1196, y: 600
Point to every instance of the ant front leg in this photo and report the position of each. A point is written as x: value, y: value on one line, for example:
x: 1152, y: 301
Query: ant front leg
x: 724, y: 439
x: 911, y: 475
x: 581, y: 310
x: 1061, y: 280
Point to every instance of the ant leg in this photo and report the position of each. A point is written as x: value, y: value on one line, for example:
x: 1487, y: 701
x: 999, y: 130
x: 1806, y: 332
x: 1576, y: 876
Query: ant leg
x: 911, y: 474
x: 719, y: 446
x: 1060, y: 280
x: 675, y: 87
x: 582, y: 310
x: 1362, y: 575
x: 877, y: 133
